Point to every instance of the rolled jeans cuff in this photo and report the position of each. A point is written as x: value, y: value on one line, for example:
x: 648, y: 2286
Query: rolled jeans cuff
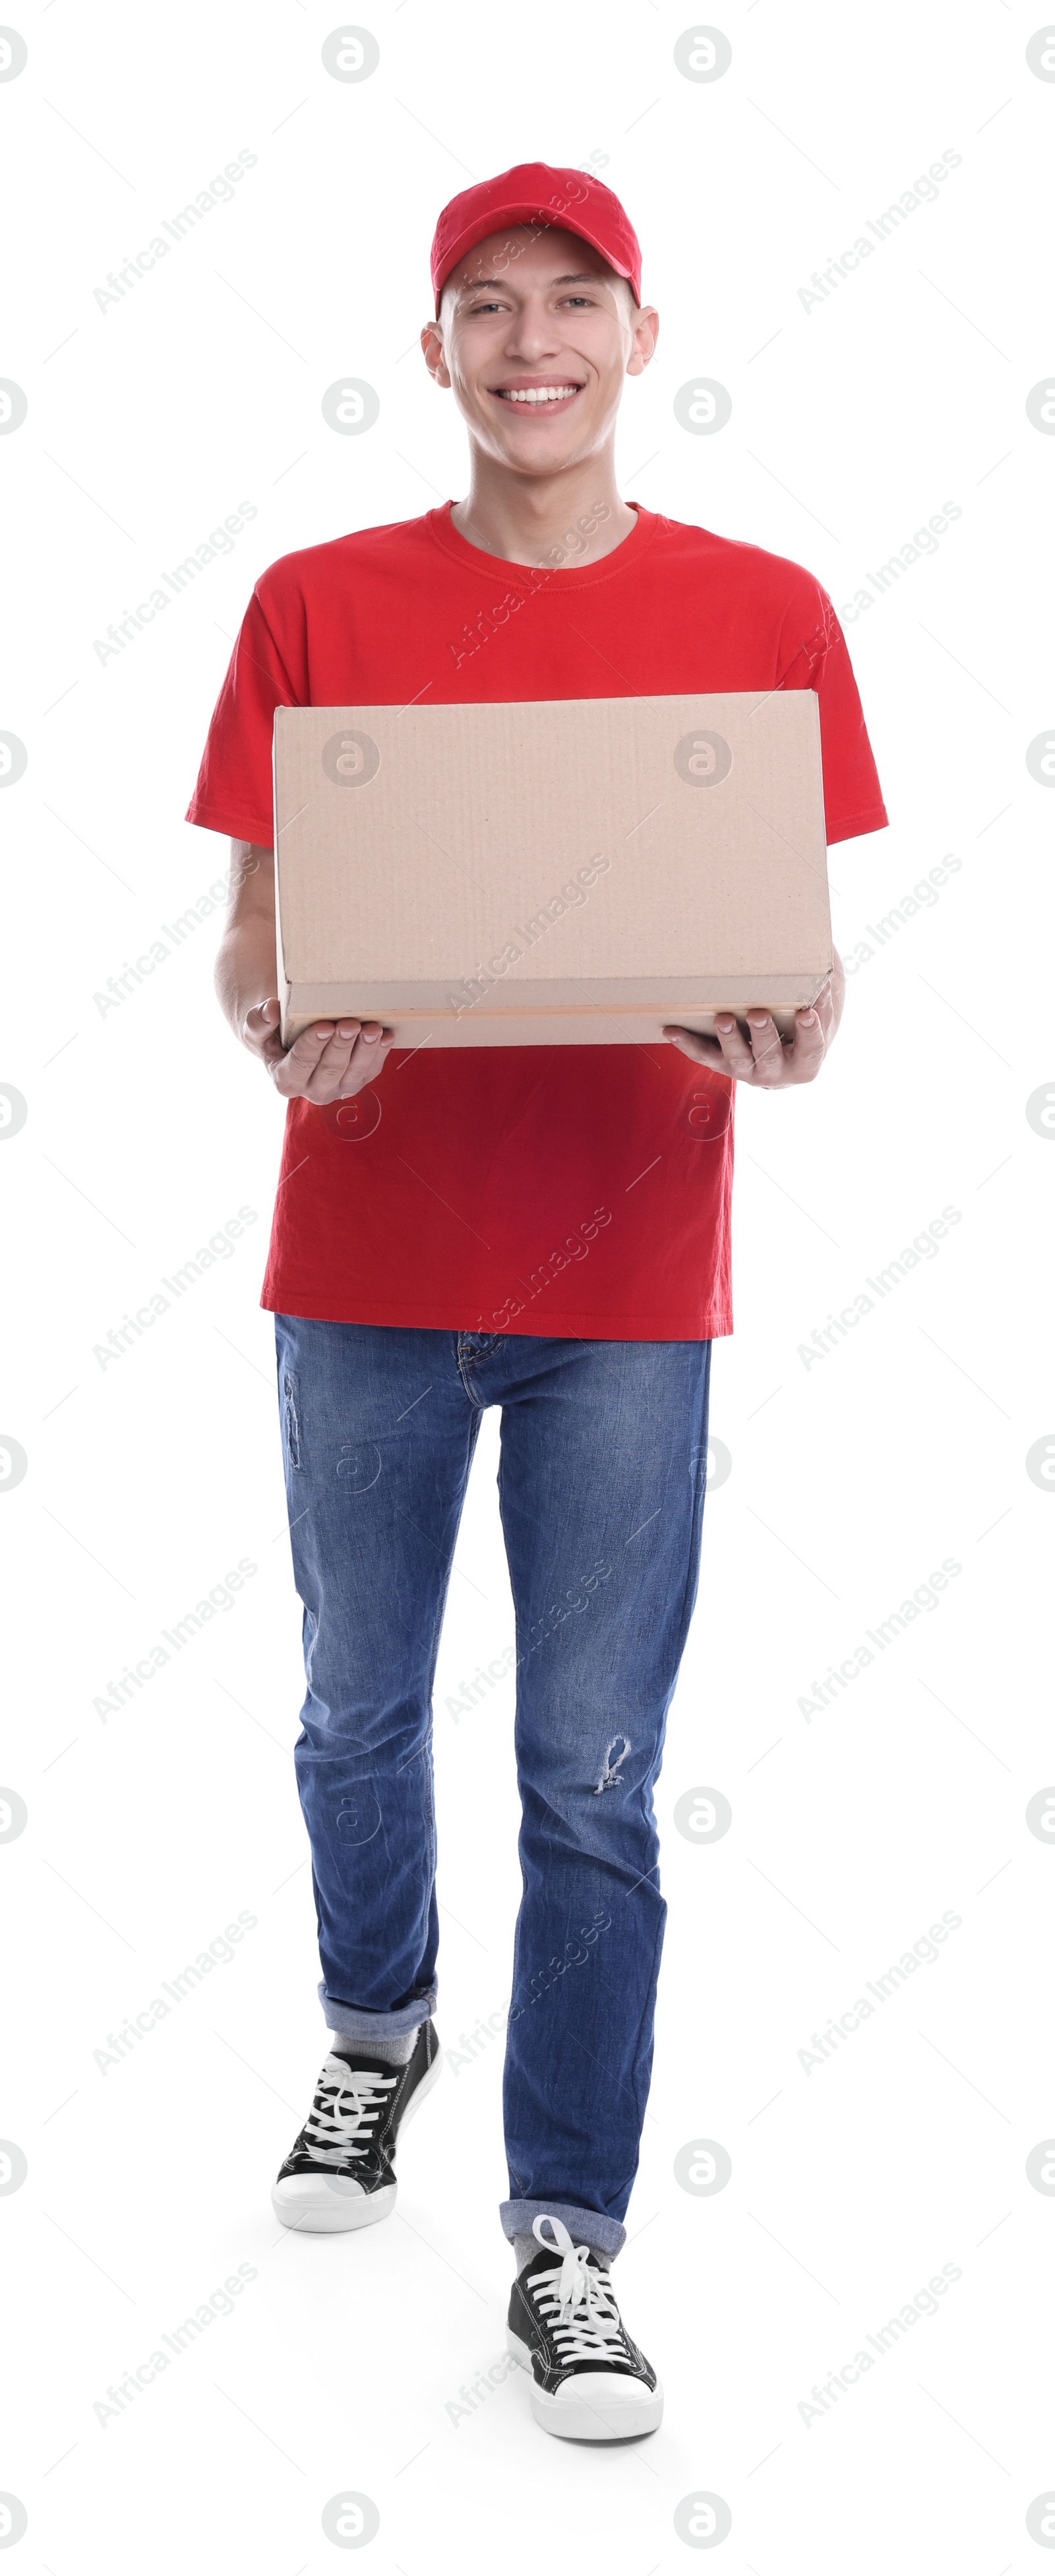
x: 352, y: 2023
x: 585, y: 2226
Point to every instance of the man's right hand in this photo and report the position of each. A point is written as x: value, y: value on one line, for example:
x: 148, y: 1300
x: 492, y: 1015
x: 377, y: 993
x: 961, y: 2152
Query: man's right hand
x: 330, y: 1061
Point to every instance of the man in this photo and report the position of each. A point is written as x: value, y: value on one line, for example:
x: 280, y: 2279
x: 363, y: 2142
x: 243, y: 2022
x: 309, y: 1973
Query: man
x: 541, y: 1228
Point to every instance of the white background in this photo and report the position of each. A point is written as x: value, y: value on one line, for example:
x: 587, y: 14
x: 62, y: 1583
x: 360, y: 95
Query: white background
x: 852, y: 1829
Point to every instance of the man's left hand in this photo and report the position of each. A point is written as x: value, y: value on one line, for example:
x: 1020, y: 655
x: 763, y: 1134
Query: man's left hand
x: 770, y: 1062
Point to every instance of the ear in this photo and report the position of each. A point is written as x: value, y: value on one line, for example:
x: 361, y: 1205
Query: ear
x: 432, y: 352
x: 646, y: 334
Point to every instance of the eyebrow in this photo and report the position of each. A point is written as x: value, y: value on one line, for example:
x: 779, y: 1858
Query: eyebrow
x: 582, y: 277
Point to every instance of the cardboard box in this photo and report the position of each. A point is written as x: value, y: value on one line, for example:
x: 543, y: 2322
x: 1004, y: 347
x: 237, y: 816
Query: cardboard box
x: 570, y: 872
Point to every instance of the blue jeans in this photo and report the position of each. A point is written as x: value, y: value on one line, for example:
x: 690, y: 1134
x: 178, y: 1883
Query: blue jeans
x: 603, y: 1464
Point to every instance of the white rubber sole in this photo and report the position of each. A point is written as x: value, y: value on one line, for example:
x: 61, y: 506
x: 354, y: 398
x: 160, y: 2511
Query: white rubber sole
x: 332, y: 2204
x: 591, y: 2407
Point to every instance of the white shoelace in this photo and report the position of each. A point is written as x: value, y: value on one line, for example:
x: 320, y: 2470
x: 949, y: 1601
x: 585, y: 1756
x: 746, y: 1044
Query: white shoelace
x: 577, y: 2305
x: 347, y: 2102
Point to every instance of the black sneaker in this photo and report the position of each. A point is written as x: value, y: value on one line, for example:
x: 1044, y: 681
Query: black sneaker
x: 340, y: 2172
x: 589, y: 2381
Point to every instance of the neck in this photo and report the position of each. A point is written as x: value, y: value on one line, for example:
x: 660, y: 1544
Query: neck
x: 528, y: 518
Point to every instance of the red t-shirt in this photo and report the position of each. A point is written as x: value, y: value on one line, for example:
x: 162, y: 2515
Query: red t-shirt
x: 580, y: 1191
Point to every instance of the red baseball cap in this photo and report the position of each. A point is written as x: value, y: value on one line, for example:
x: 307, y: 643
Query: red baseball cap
x: 533, y: 193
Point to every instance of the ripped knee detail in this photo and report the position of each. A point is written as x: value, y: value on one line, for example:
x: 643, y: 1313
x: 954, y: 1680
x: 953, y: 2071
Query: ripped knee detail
x: 290, y: 1417
x: 613, y: 1763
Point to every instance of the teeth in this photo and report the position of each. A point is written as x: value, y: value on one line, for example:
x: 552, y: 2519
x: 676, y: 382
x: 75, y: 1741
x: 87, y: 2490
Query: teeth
x: 541, y: 394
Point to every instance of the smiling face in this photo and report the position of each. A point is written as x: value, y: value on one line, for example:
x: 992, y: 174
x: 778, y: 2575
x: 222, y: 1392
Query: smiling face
x: 536, y: 336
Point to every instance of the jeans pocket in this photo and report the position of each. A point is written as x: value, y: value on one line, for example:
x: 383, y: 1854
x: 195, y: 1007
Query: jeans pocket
x: 290, y: 1418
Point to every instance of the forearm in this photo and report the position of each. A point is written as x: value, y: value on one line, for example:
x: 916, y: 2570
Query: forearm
x: 332, y: 1059
x: 246, y: 972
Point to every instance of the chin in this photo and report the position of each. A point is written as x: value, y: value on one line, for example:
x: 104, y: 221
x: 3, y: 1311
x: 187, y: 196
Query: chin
x: 542, y: 450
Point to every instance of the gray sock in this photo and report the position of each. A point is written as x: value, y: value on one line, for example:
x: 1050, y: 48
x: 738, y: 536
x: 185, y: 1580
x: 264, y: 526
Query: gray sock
x: 389, y: 2052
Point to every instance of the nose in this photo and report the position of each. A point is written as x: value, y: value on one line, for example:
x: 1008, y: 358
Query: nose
x: 534, y: 333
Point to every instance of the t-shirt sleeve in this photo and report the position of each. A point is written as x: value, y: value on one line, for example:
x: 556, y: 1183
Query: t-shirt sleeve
x: 234, y: 792
x: 853, y: 798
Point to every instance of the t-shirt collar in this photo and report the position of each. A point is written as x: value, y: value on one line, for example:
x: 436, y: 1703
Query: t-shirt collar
x: 579, y: 576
